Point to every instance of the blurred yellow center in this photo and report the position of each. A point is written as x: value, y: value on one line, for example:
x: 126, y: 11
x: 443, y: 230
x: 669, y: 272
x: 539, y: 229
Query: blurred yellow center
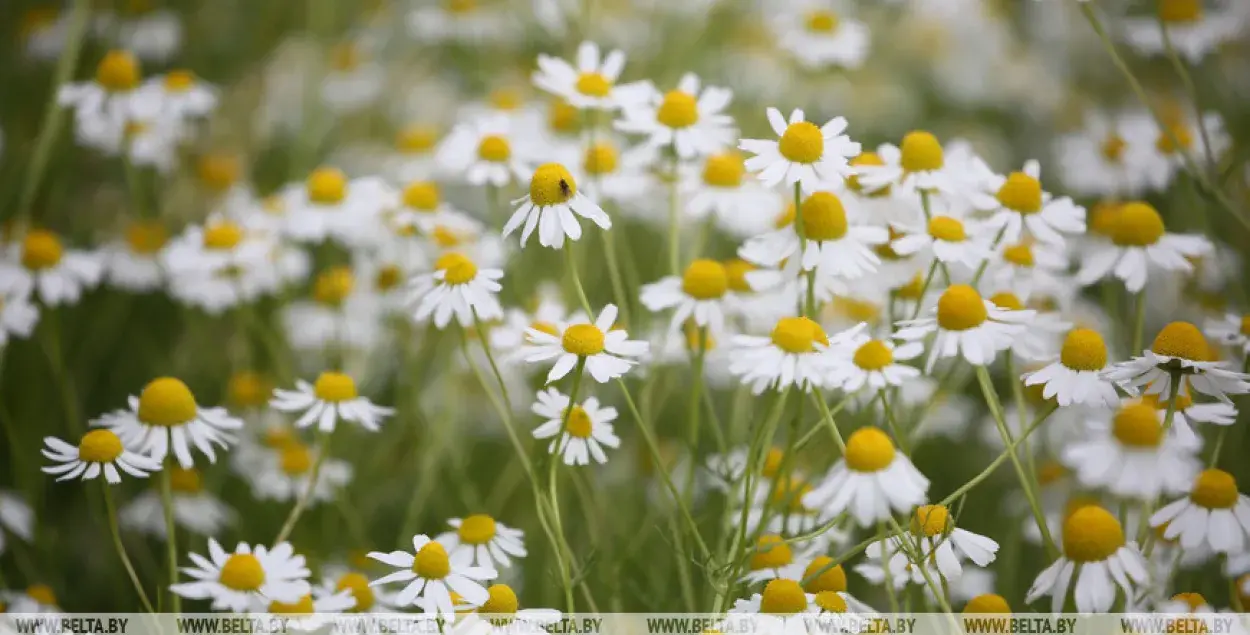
x: 326, y: 186
x: 185, y: 481
x: 501, y: 600
x: 724, y: 170
x: 868, y: 159
x: 1113, y: 147
x: 771, y: 552
x: 118, y: 71
x: 358, y: 584
x: 802, y: 142
x: 421, y: 196
x: 551, y: 185
x: 869, y: 450
x: 445, y: 237
x: 594, y: 85
x: 166, y: 401
x: 1136, y: 425
x: 873, y: 355
x: 679, y: 109
x: 821, y: 21
x: 960, y: 308
x: 494, y: 148
x: 947, y: 229
x: 921, y: 152
x: 736, y: 270
x: 42, y: 594
x: 416, y: 139
x: 1007, y: 300
x: 579, y: 424
x: 1181, y: 137
x: 930, y: 520
x: 705, y: 280
x: 431, y: 562
x: 178, y: 81
x: 218, y: 172
x: 388, y: 277
x: 772, y: 462
x: 302, y: 606
x: 830, y: 602
x: 1194, y: 600
x: 824, y: 217
x: 1214, y: 489
x: 99, y: 446
x: 1181, y: 339
x: 830, y: 578
x: 334, y: 387
x: 783, y: 597
x: 295, y: 459
x: 1180, y: 10
x: 1083, y: 349
x: 798, y: 335
x: 41, y: 249
x: 1136, y: 225
x: 146, y: 237
x: 506, y: 99
x: 1091, y: 534
x: 333, y: 286
x: 564, y: 117
x: 545, y: 327
x: 600, y: 159
x: 1021, y: 193
x: 223, y: 235
x: 1019, y: 254
x: 583, y: 340
x: 242, y: 572
x: 345, y: 57
x: 477, y: 529
x: 457, y: 268
x: 987, y: 603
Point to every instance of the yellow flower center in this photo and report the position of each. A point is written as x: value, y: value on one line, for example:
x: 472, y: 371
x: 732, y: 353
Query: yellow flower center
x: 798, y: 335
x: 1050, y: 472
x: 1180, y: 10
x: 830, y: 602
x: 416, y: 139
x: 724, y: 170
x: 501, y: 600
x: 218, y: 172
x: 855, y: 309
x: 185, y: 480
x: 772, y: 462
x: 947, y: 229
x: 583, y: 340
x: 1102, y: 218
x: 736, y: 270
x: 333, y: 286
x: 146, y: 237
x: 830, y: 579
x: 1184, y: 138
x: 579, y: 423
x: 921, y: 152
x: 960, y: 308
x: 278, y: 437
x: 506, y: 99
x: 1083, y: 349
x: 1007, y: 300
x: 431, y: 562
x: 705, y: 280
x: 1136, y: 425
x: 771, y: 552
x: 358, y: 584
x: 1019, y: 254
x: 326, y: 186
x: 494, y: 148
x: 42, y: 594
x: 99, y: 446
x: 870, y: 159
x: 1245, y: 325
x: 869, y: 450
x: 785, y: 218
x: 822, y: 21
x: 564, y: 117
x: 302, y: 606
x: 388, y: 277
x: 600, y: 159
x: 931, y: 520
x: 545, y: 327
x: 222, y: 236
x: 678, y: 110
x: 41, y: 249
x: 421, y: 196
x: 345, y: 57
x: 1214, y: 489
x: 242, y: 572
x: 456, y: 268
x: 166, y: 401
x: 1181, y: 339
x: 1091, y: 534
x: 178, y: 81
x: 1113, y: 147
x: 1194, y: 600
x: 478, y: 529
x: 802, y: 142
x: 873, y: 355
x: 445, y: 237
x: 460, y: 7
x: 987, y: 603
x: 118, y: 71
x: 295, y: 459
x: 594, y: 85
x: 911, y: 290
x: 783, y: 597
x: 1021, y: 193
x: 1136, y: 225
x: 334, y: 387
x: 824, y: 217
x: 551, y: 185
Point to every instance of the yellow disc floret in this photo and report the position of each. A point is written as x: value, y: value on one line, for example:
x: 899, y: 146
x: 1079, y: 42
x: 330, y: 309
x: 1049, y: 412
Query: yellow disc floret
x: 987, y: 603
x: 802, y: 142
x: 1021, y: 193
x: 948, y: 229
x: 931, y: 520
x: 868, y: 159
x: 679, y: 109
x: 422, y: 196
x: 501, y: 600
x: 1214, y: 489
x: 416, y: 139
x: 873, y: 355
x: 326, y: 186
x: 921, y: 152
x: 1083, y: 349
x: 218, y: 172
x: 1019, y: 254
x: 1183, y: 340
x: 41, y: 249
x: 724, y: 170
x: 302, y: 606
x: 1136, y: 425
x: 358, y: 585
x: 798, y: 335
x: 869, y: 450
x: 601, y: 158
x: 579, y: 424
x: 242, y: 572
x: 118, y: 71
x: 185, y: 480
x: 771, y: 552
x: 824, y: 217
x: 494, y: 148
x: 1113, y: 147
x: 830, y: 602
x: 222, y: 236
x: 146, y: 237
x: 705, y: 280
x: 1180, y: 11
x: 100, y: 446
x: 333, y: 285
x: 783, y: 597
x: 1007, y: 300
x: 335, y: 387
x: 295, y: 459
x: 431, y: 562
x: 551, y: 185
x: 1136, y: 225
x: 1091, y: 534
x: 821, y: 21
x: 42, y: 594
x: 478, y: 529
x: 960, y: 308
x: 828, y: 576
x: 166, y: 401
x: 457, y: 268
x: 736, y: 269
x: 594, y: 84
x: 583, y: 340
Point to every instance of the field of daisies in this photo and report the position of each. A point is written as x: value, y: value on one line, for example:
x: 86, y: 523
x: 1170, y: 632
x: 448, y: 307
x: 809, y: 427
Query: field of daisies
x: 537, y: 307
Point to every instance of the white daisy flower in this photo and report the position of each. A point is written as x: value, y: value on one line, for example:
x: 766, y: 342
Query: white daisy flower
x: 367, y: 599
x: 312, y: 611
x: 340, y: 314
x: 16, y: 517
x: 811, y: 156
x: 283, y: 472
x: 785, y: 608
x: 485, y: 151
x: 591, y: 85
x: 869, y: 481
x: 98, y: 451
x: 1188, y: 413
x: 698, y: 295
x: 456, y: 287
x: 1214, y: 513
x: 604, y: 350
x: 1017, y: 203
x: 689, y: 119
x: 818, y: 37
x: 1181, y: 349
x: 463, y: 21
x: 353, y: 81
x: 329, y: 206
x: 607, y: 175
x: 967, y: 326
x: 918, y: 165
x: 1131, y: 457
x: 589, y: 427
x: 220, y: 265
x: 1077, y: 376
x: 422, y: 208
x: 134, y: 263
x: 942, y: 546
x: 332, y: 397
x: 414, y: 153
x: 500, y: 615
x: 862, y: 361
x: 236, y: 581
x: 721, y: 186
x: 1098, y: 160
x: 1194, y: 28
x: 431, y: 575
x: 177, y: 95
x: 1232, y: 331
x: 42, y: 263
x: 490, y: 541
x: 165, y: 419
x: 829, y: 241
x: 1027, y: 266
x: 780, y: 507
x: 509, y: 337
x: 1093, y: 541
x: 1040, y: 340
x: 106, y: 102
x: 152, y: 34
x: 1138, y: 242
x: 795, y: 353
x: 550, y: 206
x: 195, y: 510
x: 947, y: 236
x: 18, y: 315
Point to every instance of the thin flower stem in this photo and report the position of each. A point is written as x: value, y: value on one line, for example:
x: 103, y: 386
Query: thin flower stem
x: 989, y: 469
x: 1144, y: 535
x: 674, y: 219
x: 614, y: 273
x: 1219, y: 445
x: 64, y: 378
x: 171, y: 528
x: 832, y: 425
x: 928, y: 280
x: 115, y: 531
x: 985, y: 262
x: 552, y: 479
x: 890, y: 592
x: 919, y: 558
x: 996, y: 410
x: 1188, y: 82
x: 899, y: 437
x: 1139, y: 322
x: 323, y: 450
x: 577, y: 281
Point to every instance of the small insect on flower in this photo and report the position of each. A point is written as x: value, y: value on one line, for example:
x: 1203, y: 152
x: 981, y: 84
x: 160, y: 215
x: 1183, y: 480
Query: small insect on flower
x: 99, y: 451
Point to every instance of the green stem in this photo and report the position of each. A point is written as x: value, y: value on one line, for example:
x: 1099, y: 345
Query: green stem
x: 552, y: 477
x: 171, y: 528
x: 833, y: 425
x: 1139, y: 322
x: 614, y: 273
x: 674, y: 219
x: 323, y: 450
x: 1144, y: 536
x: 577, y: 281
x: 64, y: 378
x: 1191, y: 89
x: 115, y: 531
x: 885, y: 567
x: 989, y: 469
x: 889, y: 418
x: 928, y: 280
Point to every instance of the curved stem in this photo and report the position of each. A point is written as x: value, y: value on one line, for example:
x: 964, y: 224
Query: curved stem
x: 323, y: 450
x: 171, y: 530
x: 115, y: 531
x: 577, y: 281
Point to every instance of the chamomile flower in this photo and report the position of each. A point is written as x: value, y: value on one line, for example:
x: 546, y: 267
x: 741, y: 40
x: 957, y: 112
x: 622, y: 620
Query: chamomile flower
x: 195, y: 510
x: 1130, y: 455
x: 331, y: 398
x: 1195, y: 28
x: 106, y: 102
x: 942, y: 546
x: 828, y: 240
x: 165, y: 419
x: 591, y: 85
x: 967, y: 326
x: 722, y: 186
x: 456, y: 287
x: 341, y: 313
x: 220, y: 265
x: 689, y: 118
x: 422, y: 207
x: 330, y: 206
x: 42, y: 263
x: 1077, y: 376
x: 500, y: 615
x: 509, y: 337
x: 485, y: 151
x: 587, y: 431
x: 414, y: 153
x: 432, y: 575
x: 1214, y: 513
x: 810, y: 156
x: 352, y: 81
x: 16, y: 517
x: 134, y: 263
x: 785, y: 608
x: 1180, y: 349
x: 550, y: 206
x: 819, y: 37
x: 462, y: 21
x: 337, y: 578
x: 99, y: 451
x: 1093, y: 541
x: 236, y: 581
x: 490, y: 541
x: 311, y: 611
x: 605, y: 351
x: 1028, y: 266
x: 1099, y: 161
x: 1232, y: 331
x: 18, y: 315
x: 698, y: 295
x: 773, y: 558
x: 917, y: 165
x: 949, y: 237
x: 152, y: 34
x: 1138, y: 243
x: 796, y: 353
x: 1017, y: 203
x: 284, y: 472
x: 1189, y: 413
x: 863, y: 361
x: 869, y: 481
x: 177, y: 95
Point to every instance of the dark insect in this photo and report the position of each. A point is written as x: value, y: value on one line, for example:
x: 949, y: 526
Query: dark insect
x: 565, y: 189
